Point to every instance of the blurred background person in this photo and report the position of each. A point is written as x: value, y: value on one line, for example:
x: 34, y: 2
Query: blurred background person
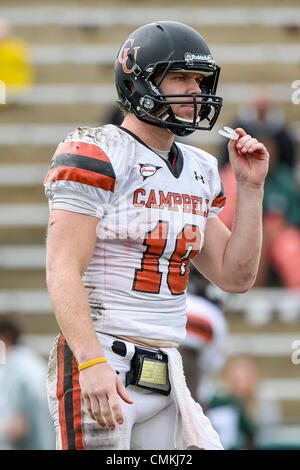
x: 229, y: 407
x: 204, y: 347
x: 24, y: 416
x: 16, y: 70
x: 237, y: 411
x: 280, y: 259
x: 263, y: 114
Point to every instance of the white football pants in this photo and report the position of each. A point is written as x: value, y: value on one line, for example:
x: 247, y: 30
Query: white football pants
x: 149, y: 422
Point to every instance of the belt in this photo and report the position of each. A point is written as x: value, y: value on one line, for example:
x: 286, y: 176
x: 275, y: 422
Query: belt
x: 148, y: 368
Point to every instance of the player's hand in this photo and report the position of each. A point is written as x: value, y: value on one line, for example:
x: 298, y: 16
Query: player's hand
x: 101, y: 388
x: 249, y: 159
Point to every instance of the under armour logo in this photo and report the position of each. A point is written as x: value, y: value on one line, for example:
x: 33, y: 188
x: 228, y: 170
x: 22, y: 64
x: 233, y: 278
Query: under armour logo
x: 159, y: 356
x: 199, y: 177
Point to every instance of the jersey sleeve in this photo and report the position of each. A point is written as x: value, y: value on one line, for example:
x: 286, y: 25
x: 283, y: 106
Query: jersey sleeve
x: 85, y: 172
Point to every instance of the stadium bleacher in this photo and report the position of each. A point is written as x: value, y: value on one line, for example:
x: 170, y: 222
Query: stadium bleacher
x: 73, y: 49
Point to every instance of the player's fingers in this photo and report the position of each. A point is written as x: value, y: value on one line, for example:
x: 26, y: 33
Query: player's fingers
x: 240, y: 131
x: 96, y: 411
x: 246, y: 146
x: 241, y: 143
x: 89, y: 407
x: 116, y: 409
x: 236, y: 144
x: 106, y: 412
x: 256, y: 148
x: 122, y: 391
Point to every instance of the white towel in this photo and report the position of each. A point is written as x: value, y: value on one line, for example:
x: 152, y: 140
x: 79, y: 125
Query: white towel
x: 193, y: 430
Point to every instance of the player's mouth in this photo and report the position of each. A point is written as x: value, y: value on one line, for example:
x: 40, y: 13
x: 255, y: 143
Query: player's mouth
x: 188, y: 110
x: 187, y: 106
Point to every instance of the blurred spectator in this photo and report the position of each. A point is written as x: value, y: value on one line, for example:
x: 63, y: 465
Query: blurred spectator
x: 204, y: 348
x: 15, y: 68
x: 228, y: 409
x: 280, y: 259
x: 262, y: 115
x: 25, y: 422
x: 237, y: 411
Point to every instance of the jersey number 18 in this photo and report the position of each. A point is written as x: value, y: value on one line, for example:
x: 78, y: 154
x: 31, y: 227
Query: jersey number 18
x: 187, y: 245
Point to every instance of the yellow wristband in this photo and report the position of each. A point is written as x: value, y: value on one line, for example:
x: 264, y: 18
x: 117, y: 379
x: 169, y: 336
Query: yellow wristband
x: 91, y: 363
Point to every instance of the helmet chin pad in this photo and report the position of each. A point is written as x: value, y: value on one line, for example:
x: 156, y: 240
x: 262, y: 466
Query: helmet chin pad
x: 187, y: 120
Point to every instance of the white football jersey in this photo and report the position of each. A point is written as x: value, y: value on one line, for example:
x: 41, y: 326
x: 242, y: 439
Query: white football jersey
x: 152, y: 216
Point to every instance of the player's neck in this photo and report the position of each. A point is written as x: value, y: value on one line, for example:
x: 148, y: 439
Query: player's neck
x: 154, y: 137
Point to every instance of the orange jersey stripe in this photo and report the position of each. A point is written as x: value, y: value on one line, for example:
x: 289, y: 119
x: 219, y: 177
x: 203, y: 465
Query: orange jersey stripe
x: 77, y: 407
x: 80, y: 175
x: 200, y: 326
x: 60, y: 391
x: 219, y: 202
x: 82, y: 148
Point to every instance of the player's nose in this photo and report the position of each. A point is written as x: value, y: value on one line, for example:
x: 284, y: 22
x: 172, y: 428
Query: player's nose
x: 194, y: 87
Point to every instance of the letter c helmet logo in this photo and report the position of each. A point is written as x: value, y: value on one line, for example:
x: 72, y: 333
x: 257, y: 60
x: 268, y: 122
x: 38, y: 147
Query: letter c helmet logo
x: 123, y: 54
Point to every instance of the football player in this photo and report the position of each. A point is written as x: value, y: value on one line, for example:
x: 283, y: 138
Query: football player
x: 129, y: 210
